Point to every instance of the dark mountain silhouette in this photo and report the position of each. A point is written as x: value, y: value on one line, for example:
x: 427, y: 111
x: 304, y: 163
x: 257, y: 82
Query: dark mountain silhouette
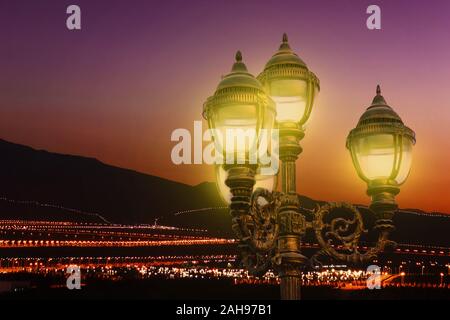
x: 56, y: 184
x: 119, y: 195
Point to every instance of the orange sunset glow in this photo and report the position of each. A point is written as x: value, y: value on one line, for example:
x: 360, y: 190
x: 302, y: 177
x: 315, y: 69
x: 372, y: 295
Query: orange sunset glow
x: 119, y: 98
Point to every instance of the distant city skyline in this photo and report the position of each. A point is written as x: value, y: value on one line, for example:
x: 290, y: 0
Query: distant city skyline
x: 117, y: 88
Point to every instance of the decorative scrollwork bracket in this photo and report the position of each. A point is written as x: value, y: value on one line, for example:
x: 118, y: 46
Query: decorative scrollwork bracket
x: 338, y: 227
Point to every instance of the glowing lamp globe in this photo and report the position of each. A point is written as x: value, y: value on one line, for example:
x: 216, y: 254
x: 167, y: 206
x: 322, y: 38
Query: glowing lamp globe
x: 238, y: 111
x: 381, y: 145
x: 290, y: 84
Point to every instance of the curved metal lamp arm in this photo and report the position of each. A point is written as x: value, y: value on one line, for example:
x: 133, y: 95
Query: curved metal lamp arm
x: 256, y: 263
x: 258, y: 221
x: 346, y: 232
x: 258, y: 231
x: 338, y: 236
x: 254, y: 218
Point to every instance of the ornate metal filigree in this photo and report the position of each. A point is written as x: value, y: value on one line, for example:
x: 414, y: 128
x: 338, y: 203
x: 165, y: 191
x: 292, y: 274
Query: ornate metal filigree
x: 261, y: 231
x: 338, y: 236
x: 264, y: 209
x: 257, y: 263
x: 338, y: 227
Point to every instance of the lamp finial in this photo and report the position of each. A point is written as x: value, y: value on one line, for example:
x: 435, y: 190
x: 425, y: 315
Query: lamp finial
x: 285, y: 38
x: 378, y: 90
x: 238, y: 56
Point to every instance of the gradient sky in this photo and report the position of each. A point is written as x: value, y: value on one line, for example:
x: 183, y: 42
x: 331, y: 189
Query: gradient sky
x: 140, y: 69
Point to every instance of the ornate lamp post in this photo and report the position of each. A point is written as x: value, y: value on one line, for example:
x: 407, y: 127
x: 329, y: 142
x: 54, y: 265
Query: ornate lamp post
x: 293, y: 87
x: 271, y: 224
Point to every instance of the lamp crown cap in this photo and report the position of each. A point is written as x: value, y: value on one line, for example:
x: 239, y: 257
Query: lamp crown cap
x: 379, y: 112
x: 239, y: 77
x: 285, y: 56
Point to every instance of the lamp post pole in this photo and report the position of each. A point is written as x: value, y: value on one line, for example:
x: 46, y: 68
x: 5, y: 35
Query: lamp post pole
x: 241, y: 179
x: 291, y: 222
x: 384, y: 206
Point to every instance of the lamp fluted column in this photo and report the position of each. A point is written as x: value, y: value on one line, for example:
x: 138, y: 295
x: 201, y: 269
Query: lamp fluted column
x: 291, y: 222
x: 383, y: 203
x: 240, y: 180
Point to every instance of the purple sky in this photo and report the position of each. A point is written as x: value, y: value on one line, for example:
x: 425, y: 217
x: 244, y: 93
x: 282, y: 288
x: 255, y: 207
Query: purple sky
x: 139, y: 69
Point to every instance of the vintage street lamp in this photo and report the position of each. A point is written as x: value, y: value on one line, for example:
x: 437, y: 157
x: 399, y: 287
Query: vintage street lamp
x: 381, y: 150
x: 293, y: 87
x: 271, y: 224
x: 239, y: 109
